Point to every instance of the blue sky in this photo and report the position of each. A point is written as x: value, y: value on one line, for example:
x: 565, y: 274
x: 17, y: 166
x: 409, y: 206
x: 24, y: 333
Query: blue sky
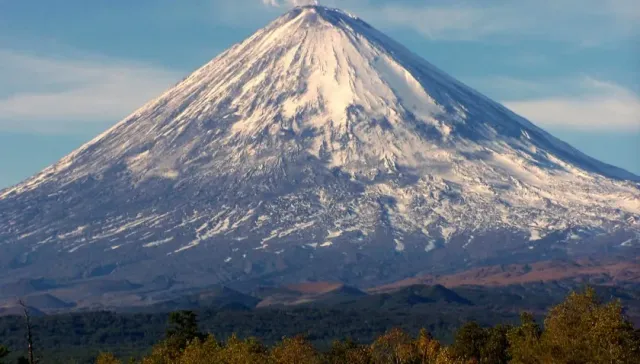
x: 70, y: 69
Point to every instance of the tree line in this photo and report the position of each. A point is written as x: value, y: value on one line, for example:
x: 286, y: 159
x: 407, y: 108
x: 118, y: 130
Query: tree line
x: 581, y: 329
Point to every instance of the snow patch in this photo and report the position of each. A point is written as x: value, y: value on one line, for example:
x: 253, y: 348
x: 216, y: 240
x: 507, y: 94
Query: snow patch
x: 158, y: 242
x: 334, y: 234
x: 431, y: 245
x: 399, y: 245
x: 534, y: 235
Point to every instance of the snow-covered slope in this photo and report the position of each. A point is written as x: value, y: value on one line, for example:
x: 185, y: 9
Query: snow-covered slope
x: 317, y: 148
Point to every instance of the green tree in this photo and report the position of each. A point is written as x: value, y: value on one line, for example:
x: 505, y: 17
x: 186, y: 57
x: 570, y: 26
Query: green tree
x: 583, y: 330
x: 201, y: 352
x: 524, y: 341
x: 447, y: 356
x: 4, y: 352
x: 394, y: 347
x: 183, y: 328
x: 428, y: 347
x: 469, y: 341
x: 496, y: 346
x: 107, y: 358
x: 162, y: 353
x: 295, y: 350
x: 347, y: 351
x: 249, y: 351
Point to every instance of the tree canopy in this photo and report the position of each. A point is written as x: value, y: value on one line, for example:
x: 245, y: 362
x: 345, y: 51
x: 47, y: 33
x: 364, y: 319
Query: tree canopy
x: 579, y: 330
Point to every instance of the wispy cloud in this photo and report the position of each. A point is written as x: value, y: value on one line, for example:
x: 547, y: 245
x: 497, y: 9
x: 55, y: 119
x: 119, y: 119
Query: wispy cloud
x: 587, y: 22
x: 278, y: 3
x: 44, y: 93
x: 603, y: 106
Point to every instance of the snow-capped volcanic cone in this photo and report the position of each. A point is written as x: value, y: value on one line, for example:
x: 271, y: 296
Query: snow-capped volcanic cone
x: 318, y: 148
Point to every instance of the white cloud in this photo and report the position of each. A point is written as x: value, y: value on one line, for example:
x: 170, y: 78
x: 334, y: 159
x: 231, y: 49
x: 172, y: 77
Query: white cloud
x: 582, y: 22
x: 586, y: 22
x: 278, y: 3
x: 44, y: 93
x: 443, y: 22
x: 603, y: 106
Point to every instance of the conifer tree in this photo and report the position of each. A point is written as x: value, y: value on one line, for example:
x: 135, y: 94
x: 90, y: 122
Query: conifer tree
x: 3, y: 353
x: 183, y: 328
x: 469, y: 341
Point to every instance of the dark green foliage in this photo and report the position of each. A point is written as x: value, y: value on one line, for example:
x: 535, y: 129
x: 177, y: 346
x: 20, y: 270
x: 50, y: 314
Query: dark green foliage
x: 484, y: 345
x: 583, y: 330
x: 296, y: 350
x: 4, y: 352
x: 579, y: 330
x: 83, y: 336
x: 79, y: 338
x: 524, y: 340
x: 183, y: 324
x: 395, y: 346
x: 469, y: 341
x: 183, y: 328
x: 496, y: 346
x: 341, y: 350
x: 107, y: 358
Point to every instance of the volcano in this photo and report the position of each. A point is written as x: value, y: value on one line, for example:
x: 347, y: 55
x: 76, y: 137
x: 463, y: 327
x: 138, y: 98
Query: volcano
x: 316, y: 149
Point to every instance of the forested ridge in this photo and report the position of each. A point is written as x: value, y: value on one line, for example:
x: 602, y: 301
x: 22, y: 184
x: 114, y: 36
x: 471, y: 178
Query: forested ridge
x: 581, y: 329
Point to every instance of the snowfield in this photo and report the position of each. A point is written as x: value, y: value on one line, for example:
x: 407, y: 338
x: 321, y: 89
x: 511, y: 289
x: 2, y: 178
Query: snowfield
x: 313, y: 143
